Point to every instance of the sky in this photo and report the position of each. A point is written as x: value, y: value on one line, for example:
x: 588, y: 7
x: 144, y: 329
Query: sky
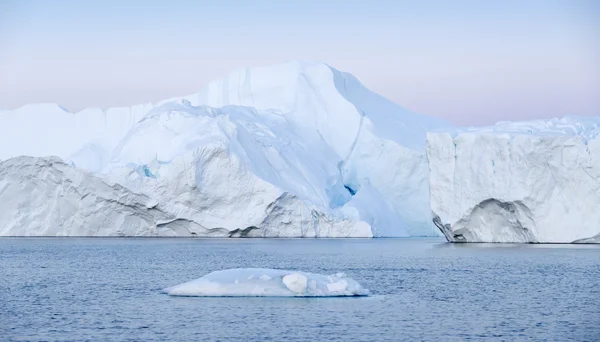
x: 470, y: 62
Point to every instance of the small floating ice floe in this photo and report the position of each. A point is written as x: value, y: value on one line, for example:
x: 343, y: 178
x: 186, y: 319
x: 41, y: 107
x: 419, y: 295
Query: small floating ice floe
x: 265, y: 282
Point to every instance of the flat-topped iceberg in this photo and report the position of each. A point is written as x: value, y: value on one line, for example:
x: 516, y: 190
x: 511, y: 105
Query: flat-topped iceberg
x: 525, y: 182
x: 265, y: 282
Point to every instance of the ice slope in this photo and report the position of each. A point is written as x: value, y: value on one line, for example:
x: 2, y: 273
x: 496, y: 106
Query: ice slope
x: 46, y: 197
x: 233, y: 168
x: 296, y: 149
x: 378, y: 147
x: 263, y: 282
x: 536, y: 181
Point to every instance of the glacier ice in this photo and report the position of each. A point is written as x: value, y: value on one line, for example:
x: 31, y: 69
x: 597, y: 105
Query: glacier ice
x: 88, y: 137
x: 264, y: 282
x: 379, y: 147
x: 533, y: 181
x: 50, y: 197
x: 44, y: 196
x: 298, y: 149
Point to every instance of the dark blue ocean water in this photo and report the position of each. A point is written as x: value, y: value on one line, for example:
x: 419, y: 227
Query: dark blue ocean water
x: 77, y: 289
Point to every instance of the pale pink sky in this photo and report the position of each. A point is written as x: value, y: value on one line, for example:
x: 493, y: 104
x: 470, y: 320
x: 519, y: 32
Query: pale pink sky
x: 471, y: 62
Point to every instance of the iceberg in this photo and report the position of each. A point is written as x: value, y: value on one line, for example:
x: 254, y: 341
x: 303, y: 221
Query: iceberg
x: 517, y: 182
x: 264, y: 282
x: 88, y: 136
x: 233, y: 167
x: 47, y: 197
x: 378, y: 147
x: 298, y: 149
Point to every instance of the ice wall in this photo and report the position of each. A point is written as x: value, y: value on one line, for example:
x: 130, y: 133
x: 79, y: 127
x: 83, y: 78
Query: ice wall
x: 536, y: 181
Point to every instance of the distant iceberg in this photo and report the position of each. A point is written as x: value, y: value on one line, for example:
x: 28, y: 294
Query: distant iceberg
x: 265, y: 282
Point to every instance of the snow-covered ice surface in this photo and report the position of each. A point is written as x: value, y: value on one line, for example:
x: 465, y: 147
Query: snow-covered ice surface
x: 535, y: 181
x: 265, y: 282
x: 294, y: 150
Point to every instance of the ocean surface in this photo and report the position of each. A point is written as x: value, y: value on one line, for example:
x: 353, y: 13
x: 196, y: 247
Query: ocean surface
x: 78, y: 289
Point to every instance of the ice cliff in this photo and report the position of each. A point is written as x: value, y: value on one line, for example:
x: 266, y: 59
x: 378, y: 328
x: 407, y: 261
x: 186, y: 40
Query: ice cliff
x: 535, y: 181
x: 51, y: 198
x: 45, y: 196
x: 297, y: 149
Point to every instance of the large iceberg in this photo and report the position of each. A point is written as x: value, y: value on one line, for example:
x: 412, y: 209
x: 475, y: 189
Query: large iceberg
x: 293, y: 150
x: 234, y: 167
x: 264, y: 282
x: 535, y: 181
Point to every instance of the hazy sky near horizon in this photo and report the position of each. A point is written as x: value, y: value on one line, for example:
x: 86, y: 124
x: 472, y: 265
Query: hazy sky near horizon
x: 471, y: 62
